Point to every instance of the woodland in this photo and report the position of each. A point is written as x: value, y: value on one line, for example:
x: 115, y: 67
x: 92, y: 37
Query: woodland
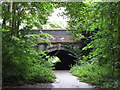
x: 23, y: 63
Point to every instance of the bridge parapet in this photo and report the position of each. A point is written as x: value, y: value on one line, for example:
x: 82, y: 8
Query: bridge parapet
x: 59, y: 36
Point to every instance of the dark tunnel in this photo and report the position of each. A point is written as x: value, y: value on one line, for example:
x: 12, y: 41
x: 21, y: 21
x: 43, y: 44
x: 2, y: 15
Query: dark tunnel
x: 66, y: 59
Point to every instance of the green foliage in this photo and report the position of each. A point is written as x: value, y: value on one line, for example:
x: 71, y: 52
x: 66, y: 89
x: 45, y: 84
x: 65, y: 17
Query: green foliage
x: 54, y: 59
x: 101, y: 19
x: 23, y: 63
x: 76, y: 50
x: 55, y: 26
x: 99, y: 75
x: 17, y: 16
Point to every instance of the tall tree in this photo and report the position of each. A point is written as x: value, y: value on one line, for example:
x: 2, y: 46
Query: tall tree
x: 25, y: 14
x: 102, y: 19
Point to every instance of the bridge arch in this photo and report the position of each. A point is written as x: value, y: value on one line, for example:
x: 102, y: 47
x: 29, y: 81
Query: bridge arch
x: 66, y: 59
x: 60, y: 38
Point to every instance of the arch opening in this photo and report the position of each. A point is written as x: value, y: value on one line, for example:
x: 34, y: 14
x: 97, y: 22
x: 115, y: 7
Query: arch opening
x: 66, y: 59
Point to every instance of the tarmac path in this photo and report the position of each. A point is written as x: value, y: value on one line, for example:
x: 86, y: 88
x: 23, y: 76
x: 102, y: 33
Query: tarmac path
x: 64, y: 80
x: 67, y: 80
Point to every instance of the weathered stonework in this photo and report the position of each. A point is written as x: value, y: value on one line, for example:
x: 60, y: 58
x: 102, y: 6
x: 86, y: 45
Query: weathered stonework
x: 60, y: 37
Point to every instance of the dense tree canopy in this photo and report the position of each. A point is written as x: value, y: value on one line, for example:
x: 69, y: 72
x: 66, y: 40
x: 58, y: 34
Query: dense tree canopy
x: 95, y: 23
x: 22, y: 62
x: 25, y: 14
x: 101, y: 19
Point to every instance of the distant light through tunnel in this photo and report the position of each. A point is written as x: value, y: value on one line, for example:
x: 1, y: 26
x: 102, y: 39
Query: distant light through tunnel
x: 66, y: 60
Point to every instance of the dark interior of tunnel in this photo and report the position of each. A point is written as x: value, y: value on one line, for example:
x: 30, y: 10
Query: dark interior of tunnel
x: 66, y: 59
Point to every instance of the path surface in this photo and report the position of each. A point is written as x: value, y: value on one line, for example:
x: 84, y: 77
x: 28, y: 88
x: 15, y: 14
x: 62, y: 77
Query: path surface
x: 67, y: 80
x: 64, y: 80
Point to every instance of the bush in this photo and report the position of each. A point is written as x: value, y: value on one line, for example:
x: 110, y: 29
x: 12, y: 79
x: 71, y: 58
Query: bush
x: 22, y: 63
x: 103, y: 76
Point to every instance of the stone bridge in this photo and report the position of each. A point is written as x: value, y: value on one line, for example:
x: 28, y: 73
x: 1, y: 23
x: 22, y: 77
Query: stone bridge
x: 58, y: 48
x: 60, y: 37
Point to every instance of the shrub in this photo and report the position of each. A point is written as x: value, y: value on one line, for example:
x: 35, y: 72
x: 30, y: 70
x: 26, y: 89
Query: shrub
x: 23, y: 63
x: 103, y: 76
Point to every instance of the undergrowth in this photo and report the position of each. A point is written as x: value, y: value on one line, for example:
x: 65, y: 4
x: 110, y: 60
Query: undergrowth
x: 103, y: 76
x: 23, y: 63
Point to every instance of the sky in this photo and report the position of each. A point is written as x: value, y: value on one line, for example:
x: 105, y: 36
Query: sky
x: 56, y: 19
